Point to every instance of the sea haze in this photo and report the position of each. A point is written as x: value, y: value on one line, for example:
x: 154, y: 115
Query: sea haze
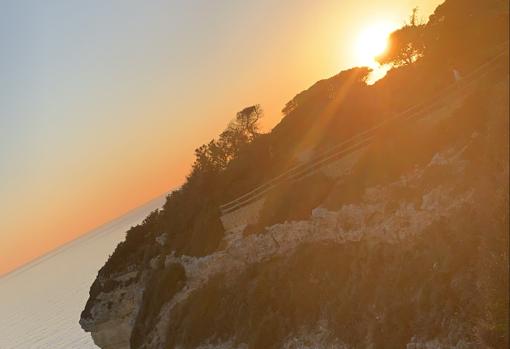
x: 40, y: 303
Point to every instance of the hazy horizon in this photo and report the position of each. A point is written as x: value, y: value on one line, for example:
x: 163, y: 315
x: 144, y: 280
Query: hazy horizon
x: 90, y: 233
x: 48, y: 318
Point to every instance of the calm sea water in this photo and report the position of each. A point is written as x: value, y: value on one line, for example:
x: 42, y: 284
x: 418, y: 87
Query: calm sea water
x: 40, y: 304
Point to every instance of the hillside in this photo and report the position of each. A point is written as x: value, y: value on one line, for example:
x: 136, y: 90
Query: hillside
x: 406, y: 248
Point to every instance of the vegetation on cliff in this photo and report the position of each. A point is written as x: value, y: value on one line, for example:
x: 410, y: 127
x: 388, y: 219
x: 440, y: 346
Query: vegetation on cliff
x: 459, y: 35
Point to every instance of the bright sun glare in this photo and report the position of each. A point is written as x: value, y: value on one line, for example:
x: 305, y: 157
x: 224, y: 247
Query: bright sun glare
x: 372, y: 41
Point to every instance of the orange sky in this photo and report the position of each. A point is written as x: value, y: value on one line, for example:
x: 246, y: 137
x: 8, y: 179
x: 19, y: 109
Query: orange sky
x: 105, y: 104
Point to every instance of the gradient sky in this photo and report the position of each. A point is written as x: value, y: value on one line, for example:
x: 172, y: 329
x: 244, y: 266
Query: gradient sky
x: 102, y: 102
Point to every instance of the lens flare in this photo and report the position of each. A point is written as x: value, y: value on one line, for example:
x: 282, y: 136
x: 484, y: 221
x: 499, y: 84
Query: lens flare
x: 372, y: 41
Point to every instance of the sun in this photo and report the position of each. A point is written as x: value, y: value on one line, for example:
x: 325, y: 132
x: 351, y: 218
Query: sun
x: 372, y: 41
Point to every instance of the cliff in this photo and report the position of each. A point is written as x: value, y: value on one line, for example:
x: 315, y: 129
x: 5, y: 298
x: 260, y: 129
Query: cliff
x: 403, y: 246
x: 418, y: 262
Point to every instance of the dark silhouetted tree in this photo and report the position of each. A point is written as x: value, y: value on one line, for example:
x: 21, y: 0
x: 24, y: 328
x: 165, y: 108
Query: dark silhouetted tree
x: 406, y: 44
x: 247, y: 120
x: 217, y: 154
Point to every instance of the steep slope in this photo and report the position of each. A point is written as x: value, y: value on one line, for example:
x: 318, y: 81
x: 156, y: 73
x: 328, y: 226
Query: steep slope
x: 407, y: 249
x: 419, y: 261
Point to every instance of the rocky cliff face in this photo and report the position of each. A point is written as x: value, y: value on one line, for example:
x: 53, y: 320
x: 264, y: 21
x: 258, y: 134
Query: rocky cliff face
x: 110, y: 319
x: 419, y: 261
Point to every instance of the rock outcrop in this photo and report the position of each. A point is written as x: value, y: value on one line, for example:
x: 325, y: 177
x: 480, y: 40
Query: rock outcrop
x: 406, y: 249
x: 111, y: 317
x: 419, y: 218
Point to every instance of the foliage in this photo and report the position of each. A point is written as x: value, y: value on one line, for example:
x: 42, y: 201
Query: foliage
x: 161, y: 287
x: 216, y: 155
x: 293, y: 201
x: 460, y: 34
x: 327, y: 89
x: 405, y: 45
x: 340, y: 284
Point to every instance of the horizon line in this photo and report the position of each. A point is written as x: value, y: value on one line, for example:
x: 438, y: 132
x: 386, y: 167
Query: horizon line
x: 85, y: 236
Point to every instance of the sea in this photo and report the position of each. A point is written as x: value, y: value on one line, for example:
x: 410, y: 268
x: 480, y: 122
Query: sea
x: 41, y: 302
